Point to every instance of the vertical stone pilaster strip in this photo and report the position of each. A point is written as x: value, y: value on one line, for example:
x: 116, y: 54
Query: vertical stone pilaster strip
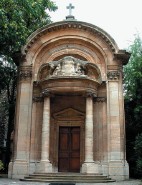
x: 118, y: 168
x: 22, y: 125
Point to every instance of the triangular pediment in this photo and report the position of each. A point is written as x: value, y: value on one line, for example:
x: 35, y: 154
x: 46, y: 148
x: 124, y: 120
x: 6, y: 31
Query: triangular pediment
x: 69, y: 114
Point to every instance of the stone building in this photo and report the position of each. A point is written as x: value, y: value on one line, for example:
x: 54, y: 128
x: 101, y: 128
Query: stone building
x: 70, y: 107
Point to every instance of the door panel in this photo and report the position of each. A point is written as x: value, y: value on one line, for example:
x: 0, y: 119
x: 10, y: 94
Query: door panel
x: 69, y: 149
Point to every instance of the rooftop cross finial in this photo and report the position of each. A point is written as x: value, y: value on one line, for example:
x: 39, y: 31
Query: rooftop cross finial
x: 70, y: 7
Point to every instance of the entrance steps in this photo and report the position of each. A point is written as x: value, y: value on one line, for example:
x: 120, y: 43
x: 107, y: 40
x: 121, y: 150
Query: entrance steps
x: 67, y: 178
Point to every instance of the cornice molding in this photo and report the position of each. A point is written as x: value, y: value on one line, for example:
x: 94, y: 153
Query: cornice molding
x: 71, y: 25
x: 122, y: 56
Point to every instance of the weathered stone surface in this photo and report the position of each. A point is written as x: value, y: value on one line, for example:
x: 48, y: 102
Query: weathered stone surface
x: 71, y: 76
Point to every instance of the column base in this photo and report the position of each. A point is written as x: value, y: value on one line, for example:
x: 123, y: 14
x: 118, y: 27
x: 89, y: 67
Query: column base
x: 104, y: 165
x: 90, y: 168
x: 118, y: 170
x: 18, y: 169
x: 44, y: 167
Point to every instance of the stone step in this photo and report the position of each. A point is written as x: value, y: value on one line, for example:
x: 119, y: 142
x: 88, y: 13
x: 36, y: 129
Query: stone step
x: 69, y: 181
x: 71, y: 177
x: 66, y: 174
x: 66, y: 177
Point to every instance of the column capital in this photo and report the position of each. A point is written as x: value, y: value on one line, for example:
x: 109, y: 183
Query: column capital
x: 113, y: 75
x: 37, y: 99
x: 46, y: 93
x: 99, y: 99
x: 90, y: 93
x: 25, y: 73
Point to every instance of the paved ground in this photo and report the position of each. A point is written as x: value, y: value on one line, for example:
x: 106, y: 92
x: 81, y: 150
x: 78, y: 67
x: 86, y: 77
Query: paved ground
x: 5, y: 181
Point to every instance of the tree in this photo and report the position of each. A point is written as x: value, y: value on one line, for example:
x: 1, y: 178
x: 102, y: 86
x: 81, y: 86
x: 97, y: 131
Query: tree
x: 133, y: 106
x: 138, y: 150
x: 18, y: 19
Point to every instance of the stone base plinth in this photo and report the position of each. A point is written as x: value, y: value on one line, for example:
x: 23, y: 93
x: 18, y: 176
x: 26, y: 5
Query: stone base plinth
x: 44, y: 167
x: 104, y: 166
x: 118, y: 170
x: 90, y: 168
x: 18, y: 169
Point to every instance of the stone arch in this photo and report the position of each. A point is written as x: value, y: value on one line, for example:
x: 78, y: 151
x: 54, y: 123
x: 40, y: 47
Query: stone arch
x: 91, y: 54
x: 95, y: 41
x: 78, y: 25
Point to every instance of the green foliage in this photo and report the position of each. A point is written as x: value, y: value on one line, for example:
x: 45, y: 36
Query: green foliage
x: 18, y: 19
x: 1, y: 165
x: 133, y: 70
x: 133, y: 106
x: 138, y: 150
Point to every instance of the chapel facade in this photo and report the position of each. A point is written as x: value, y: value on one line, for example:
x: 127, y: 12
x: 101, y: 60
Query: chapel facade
x: 70, y: 107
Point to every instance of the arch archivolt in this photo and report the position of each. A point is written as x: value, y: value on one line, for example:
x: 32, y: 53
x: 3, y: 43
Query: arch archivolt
x: 39, y: 47
x: 53, y: 50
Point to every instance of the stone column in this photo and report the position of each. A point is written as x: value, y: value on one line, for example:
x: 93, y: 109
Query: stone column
x: 45, y: 165
x: 89, y: 166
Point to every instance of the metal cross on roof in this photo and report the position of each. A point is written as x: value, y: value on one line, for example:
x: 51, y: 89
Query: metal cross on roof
x: 70, y: 7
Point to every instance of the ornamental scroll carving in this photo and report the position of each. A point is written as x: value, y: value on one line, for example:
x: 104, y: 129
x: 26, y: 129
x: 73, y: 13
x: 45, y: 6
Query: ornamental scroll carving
x: 70, y: 67
x: 113, y: 75
x: 25, y: 73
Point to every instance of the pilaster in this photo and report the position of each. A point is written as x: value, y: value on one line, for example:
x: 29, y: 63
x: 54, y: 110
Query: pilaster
x: 20, y: 165
x: 118, y: 167
x: 100, y: 134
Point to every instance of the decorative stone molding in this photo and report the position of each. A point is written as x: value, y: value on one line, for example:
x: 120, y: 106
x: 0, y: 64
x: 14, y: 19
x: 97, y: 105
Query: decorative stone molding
x: 25, y: 73
x: 113, y: 75
x: 71, y: 25
x: 69, y: 114
x: 122, y: 56
x: 100, y: 99
x: 37, y: 99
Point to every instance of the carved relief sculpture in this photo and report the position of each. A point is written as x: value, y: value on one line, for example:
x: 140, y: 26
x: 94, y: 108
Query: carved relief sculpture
x: 69, y: 67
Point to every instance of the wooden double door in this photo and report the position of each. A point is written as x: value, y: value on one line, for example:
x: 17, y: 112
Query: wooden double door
x: 69, y: 149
